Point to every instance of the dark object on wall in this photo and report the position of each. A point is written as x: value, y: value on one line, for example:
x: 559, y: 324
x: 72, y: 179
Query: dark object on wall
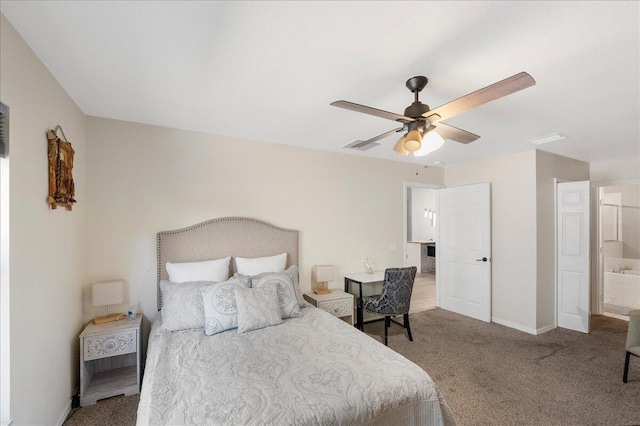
x: 4, y: 130
x: 61, y: 187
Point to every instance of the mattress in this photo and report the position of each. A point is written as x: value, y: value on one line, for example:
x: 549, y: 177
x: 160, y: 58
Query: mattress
x: 316, y: 369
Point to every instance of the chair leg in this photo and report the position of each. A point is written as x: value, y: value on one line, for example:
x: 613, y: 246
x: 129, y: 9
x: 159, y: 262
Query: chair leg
x: 407, y: 326
x: 626, y: 367
x: 387, y: 321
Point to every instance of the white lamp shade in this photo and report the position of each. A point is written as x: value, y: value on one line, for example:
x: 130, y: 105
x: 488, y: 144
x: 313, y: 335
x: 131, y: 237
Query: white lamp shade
x: 106, y: 293
x: 430, y: 142
x: 322, y: 273
x: 399, y: 147
x: 413, y: 141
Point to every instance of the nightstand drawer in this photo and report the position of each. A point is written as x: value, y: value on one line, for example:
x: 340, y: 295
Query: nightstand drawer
x: 107, y: 345
x: 338, y: 308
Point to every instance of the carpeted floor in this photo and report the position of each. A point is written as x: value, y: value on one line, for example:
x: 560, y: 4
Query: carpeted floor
x: 494, y: 375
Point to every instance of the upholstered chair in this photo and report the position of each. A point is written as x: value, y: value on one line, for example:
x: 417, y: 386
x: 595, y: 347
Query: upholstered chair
x: 395, y: 298
x: 633, y: 340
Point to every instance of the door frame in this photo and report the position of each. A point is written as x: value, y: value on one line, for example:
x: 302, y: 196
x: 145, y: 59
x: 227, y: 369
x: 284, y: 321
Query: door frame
x: 405, y: 187
x: 597, y: 280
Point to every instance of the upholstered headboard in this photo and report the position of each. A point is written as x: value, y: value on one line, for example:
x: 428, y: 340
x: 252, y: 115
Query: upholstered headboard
x: 219, y: 238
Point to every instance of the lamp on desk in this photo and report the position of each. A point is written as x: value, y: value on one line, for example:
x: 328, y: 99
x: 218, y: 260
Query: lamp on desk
x: 106, y: 294
x: 322, y: 274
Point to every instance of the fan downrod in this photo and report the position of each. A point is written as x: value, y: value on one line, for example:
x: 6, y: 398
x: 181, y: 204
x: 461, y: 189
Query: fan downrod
x: 416, y: 84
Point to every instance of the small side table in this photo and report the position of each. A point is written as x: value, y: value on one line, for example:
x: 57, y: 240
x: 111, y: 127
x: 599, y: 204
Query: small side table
x: 109, y: 360
x: 337, y: 303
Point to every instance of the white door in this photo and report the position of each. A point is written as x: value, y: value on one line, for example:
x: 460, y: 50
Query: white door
x: 572, y: 241
x: 464, y: 250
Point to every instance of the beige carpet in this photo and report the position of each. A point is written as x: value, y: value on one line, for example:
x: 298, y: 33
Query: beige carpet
x: 493, y: 375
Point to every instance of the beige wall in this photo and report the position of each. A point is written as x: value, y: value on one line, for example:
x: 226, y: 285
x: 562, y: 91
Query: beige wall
x: 146, y: 179
x: 513, y: 232
x: 47, y: 247
x: 548, y: 167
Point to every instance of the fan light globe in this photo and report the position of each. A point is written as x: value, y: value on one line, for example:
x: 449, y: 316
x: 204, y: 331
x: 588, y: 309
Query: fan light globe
x: 413, y: 141
x: 430, y: 142
x: 399, y: 148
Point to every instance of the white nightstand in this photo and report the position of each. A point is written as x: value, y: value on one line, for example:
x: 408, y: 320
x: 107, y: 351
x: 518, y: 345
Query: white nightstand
x: 109, y: 360
x: 337, y: 303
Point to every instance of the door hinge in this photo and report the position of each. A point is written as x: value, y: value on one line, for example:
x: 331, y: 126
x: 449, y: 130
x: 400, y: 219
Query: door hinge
x: 602, y: 202
x: 601, y: 250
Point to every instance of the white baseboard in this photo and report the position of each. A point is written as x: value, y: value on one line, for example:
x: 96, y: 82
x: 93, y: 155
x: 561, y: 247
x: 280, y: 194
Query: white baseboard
x: 514, y: 325
x: 523, y: 328
x: 546, y: 328
x: 65, y: 413
x: 7, y: 423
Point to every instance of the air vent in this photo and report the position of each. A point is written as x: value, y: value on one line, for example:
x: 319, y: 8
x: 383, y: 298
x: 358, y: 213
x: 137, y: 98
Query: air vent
x: 4, y: 130
x: 354, y: 145
x: 548, y: 138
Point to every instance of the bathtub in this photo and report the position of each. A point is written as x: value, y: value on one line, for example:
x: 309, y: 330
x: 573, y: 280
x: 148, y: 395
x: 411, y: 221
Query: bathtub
x: 622, y: 288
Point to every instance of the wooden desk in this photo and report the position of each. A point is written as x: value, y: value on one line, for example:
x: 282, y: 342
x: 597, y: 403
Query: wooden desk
x: 360, y: 279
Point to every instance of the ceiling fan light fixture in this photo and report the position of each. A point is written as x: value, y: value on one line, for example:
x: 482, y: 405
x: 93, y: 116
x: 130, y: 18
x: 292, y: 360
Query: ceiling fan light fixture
x: 413, y: 141
x: 430, y: 142
x: 399, y: 147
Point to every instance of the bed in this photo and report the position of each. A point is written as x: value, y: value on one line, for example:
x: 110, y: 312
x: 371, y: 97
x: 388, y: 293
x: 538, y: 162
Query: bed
x: 311, y: 369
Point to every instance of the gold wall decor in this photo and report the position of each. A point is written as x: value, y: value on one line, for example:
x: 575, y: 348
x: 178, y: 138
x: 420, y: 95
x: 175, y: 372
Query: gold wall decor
x: 61, y: 187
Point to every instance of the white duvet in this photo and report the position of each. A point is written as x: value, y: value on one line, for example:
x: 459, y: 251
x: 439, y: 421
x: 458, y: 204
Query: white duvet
x: 311, y: 370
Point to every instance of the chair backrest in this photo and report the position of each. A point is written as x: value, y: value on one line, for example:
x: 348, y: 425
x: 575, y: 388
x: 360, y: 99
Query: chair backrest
x: 633, y: 333
x: 397, y: 288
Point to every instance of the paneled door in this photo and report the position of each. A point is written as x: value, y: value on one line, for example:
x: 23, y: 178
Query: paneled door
x: 572, y: 242
x: 464, y: 250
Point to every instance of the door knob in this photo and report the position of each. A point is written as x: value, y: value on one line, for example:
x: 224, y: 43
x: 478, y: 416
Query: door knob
x: 484, y: 259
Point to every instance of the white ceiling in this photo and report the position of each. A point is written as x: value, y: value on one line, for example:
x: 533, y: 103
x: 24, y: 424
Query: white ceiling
x: 268, y: 70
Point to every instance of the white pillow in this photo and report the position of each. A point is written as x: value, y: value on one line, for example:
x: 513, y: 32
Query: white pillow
x: 182, y: 307
x: 287, y: 299
x: 259, y: 265
x: 209, y: 270
x: 220, y: 308
x: 257, y: 308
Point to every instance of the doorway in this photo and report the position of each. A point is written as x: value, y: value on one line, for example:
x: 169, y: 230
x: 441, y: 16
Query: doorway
x: 619, y: 250
x: 420, y: 235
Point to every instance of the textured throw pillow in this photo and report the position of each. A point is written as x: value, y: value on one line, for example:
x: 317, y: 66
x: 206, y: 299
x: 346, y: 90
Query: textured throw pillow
x: 257, y: 308
x: 258, y: 265
x: 220, y: 308
x: 208, y: 270
x: 182, y: 305
x: 283, y: 283
x: 292, y: 271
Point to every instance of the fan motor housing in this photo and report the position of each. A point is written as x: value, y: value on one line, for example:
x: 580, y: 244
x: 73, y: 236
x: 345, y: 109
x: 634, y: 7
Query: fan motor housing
x: 416, y: 109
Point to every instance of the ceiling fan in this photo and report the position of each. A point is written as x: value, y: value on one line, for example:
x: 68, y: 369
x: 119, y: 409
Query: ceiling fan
x: 419, y: 121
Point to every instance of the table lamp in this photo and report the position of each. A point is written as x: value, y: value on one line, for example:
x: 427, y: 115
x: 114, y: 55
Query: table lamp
x: 106, y: 294
x: 322, y: 274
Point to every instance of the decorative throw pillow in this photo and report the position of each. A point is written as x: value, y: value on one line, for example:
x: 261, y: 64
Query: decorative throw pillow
x: 292, y: 271
x: 258, y: 265
x: 208, y: 270
x: 257, y: 308
x: 283, y: 283
x: 182, y: 305
x: 220, y: 308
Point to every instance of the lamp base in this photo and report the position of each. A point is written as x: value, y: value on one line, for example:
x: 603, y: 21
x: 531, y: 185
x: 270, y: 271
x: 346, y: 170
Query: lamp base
x: 109, y: 318
x: 322, y: 291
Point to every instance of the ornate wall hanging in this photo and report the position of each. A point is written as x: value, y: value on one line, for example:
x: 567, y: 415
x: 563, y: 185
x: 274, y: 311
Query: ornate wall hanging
x: 61, y: 187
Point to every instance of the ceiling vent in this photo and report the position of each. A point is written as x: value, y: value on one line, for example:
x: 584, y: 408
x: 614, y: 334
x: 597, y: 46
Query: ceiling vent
x: 546, y: 139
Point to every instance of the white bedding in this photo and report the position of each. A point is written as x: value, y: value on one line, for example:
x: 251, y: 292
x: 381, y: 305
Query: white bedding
x: 310, y: 370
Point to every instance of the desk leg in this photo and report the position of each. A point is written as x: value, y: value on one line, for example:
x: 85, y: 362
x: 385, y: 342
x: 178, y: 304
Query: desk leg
x: 346, y: 285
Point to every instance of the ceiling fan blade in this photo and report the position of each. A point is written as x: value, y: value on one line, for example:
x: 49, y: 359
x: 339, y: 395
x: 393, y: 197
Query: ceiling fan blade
x: 376, y: 138
x: 372, y: 111
x: 479, y: 97
x: 455, y: 134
